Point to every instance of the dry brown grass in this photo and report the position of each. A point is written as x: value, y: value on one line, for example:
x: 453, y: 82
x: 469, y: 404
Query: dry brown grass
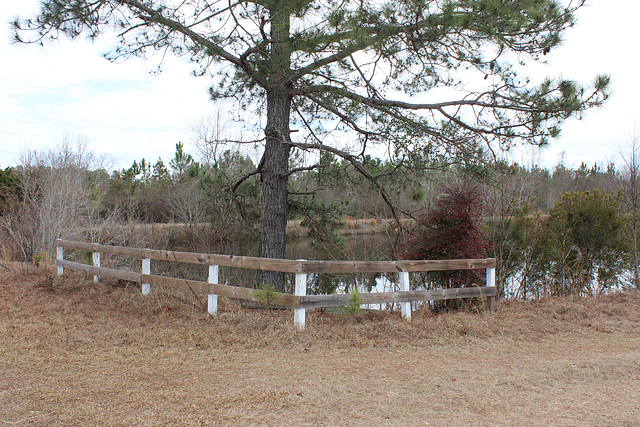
x: 77, y: 353
x: 352, y: 226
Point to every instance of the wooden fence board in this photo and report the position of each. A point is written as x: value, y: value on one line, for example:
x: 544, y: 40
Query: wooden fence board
x: 203, y: 288
x: 101, y: 271
x: 105, y: 249
x: 395, y: 266
x: 312, y: 301
x: 254, y: 263
x: 288, y: 265
x: 235, y: 292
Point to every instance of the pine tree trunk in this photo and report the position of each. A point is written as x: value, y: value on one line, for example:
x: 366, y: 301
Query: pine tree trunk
x: 274, y: 177
x: 275, y: 161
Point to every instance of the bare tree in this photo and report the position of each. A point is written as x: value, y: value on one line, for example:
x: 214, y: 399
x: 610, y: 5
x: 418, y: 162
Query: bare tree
x: 188, y: 205
x: 210, y: 135
x: 60, y: 196
x: 629, y: 177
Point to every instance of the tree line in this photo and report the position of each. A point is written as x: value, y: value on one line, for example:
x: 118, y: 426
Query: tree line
x: 554, y: 231
x: 420, y: 80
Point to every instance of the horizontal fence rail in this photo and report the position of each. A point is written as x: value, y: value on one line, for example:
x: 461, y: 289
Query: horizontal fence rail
x: 286, y: 265
x: 299, y: 301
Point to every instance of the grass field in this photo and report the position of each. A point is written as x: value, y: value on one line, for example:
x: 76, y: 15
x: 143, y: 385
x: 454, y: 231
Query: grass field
x: 77, y: 353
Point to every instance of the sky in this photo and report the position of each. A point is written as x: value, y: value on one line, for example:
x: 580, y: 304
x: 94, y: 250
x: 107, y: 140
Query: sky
x: 68, y: 90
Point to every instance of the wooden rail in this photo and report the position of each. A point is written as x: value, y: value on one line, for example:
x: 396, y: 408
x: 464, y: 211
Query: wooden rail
x: 299, y: 301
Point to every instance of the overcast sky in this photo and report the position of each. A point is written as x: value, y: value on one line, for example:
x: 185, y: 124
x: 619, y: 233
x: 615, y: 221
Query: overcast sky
x: 124, y: 111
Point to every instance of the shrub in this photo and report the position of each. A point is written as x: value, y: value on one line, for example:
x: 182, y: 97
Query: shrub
x: 585, y: 231
x: 450, y: 230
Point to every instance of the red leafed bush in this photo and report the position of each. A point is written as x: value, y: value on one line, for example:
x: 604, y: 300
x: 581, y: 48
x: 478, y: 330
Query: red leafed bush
x: 451, y: 229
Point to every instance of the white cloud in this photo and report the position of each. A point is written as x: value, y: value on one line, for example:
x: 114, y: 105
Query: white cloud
x: 69, y: 87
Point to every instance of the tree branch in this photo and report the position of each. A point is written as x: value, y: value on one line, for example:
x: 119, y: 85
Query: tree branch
x: 395, y: 210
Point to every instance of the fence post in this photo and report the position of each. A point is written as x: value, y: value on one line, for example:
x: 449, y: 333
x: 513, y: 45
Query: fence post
x: 146, y: 269
x: 299, y: 314
x: 60, y: 256
x: 212, y: 303
x: 404, y: 286
x: 491, y: 282
x: 96, y: 263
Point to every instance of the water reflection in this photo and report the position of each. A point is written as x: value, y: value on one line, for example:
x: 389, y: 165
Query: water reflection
x: 359, y: 247
x: 363, y: 247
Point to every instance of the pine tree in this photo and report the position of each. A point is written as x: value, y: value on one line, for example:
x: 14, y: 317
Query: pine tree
x: 180, y: 162
x: 351, y: 71
x: 160, y: 171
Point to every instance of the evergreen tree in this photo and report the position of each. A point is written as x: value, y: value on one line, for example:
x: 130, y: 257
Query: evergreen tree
x: 586, y: 233
x: 8, y: 185
x: 180, y: 162
x: 334, y: 68
x: 160, y: 171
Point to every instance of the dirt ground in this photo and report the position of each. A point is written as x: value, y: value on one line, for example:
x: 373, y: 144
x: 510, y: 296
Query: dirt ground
x: 77, y: 353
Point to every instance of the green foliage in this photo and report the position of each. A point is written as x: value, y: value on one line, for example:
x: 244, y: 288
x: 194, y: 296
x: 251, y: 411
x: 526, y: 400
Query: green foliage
x: 87, y: 257
x: 586, y: 231
x: 8, y: 178
x: 355, y: 301
x: 266, y: 295
x: 9, y: 186
x: 36, y: 259
x: 529, y: 262
x: 233, y: 194
x: 519, y: 244
x: 181, y: 162
x: 322, y: 220
x: 160, y: 172
x: 513, y: 228
x: 340, y: 185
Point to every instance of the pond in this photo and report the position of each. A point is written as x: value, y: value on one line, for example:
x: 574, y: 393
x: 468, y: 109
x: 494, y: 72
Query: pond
x: 357, y: 247
x: 360, y: 247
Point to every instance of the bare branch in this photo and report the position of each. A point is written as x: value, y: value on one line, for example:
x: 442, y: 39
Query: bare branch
x: 395, y: 210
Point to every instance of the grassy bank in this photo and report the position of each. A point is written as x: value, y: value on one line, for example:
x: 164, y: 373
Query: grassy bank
x: 77, y: 353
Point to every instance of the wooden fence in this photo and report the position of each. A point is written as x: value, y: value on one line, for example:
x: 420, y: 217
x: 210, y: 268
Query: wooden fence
x: 299, y: 301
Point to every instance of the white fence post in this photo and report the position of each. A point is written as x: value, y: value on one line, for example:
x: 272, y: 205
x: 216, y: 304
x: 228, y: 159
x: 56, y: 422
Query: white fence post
x: 491, y: 277
x: 60, y: 256
x: 404, y: 286
x: 212, y: 304
x: 96, y: 263
x: 299, y: 314
x: 146, y: 269
x: 491, y: 282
